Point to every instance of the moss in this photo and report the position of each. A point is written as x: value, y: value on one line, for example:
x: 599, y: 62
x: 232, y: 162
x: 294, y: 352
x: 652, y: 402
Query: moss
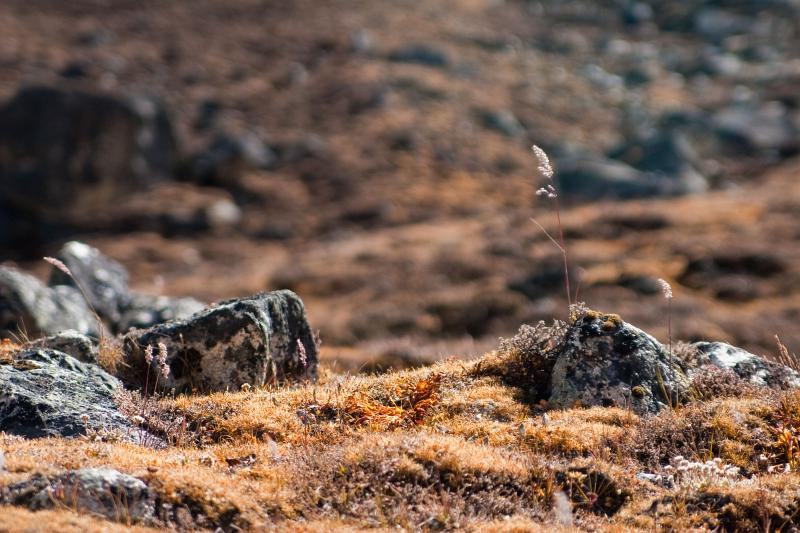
x: 639, y: 391
x: 609, y: 321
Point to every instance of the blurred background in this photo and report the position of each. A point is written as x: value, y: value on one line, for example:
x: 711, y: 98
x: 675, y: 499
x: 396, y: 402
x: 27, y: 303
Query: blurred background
x: 375, y: 158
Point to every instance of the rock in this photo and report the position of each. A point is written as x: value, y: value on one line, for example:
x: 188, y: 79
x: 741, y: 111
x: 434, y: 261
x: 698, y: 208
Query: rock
x: 177, y: 209
x: 503, y: 122
x: 30, y: 308
x: 250, y: 341
x: 606, y: 362
x: 635, y: 13
x: 752, y: 129
x: 744, y: 364
x: 420, y: 54
x: 716, y: 24
x: 594, y: 177
x: 736, y: 274
x: 98, y: 491
x: 666, y: 155
x: 545, y: 281
x: 207, y: 114
x: 73, y: 344
x: 229, y: 157
x: 104, y: 281
x: 145, y: 311
x: 45, y: 393
x: 66, y: 152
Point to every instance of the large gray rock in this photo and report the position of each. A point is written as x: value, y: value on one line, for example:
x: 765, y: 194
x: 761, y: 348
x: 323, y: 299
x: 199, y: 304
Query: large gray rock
x: 745, y: 365
x: 27, y: 306
x: 45, y: 393
x: 145, y: 311
x: 72, y: 343
x: 104, y: 281
x: 250, y: 341
x: 607, y: 362
x: 100, y: 491
x: 65, y: 151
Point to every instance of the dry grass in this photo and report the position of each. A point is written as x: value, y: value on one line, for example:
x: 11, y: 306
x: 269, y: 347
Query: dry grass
x: 454, y: 446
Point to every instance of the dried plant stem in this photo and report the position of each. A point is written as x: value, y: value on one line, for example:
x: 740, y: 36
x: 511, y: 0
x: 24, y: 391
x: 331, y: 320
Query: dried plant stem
x: 669, y: 342
x: 563, y: 248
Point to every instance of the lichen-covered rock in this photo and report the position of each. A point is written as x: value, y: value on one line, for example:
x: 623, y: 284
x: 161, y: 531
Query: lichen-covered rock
x: 28, y: 306
x: 744, y: 364
x: 104, y: 281
x: 45, y: 393
x: 99, y: 491
x: 606, y: 362
x: 72, y: 343
x: 145, y: 310
x: 252, y: 341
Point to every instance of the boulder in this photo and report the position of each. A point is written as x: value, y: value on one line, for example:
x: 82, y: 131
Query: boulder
x: 66, y: 152
x: 745, y: 365
x: 607, y: 362
x: 30, y: 308
x: 98, y: 491
x: 45, y: 393
x: 72, y: 343
x: 252, y: 341
x: 145, y: 311
x: 104, y: 281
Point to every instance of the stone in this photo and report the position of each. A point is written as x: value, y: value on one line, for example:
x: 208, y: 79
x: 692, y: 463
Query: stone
x: 716, y: 24
x: 72, y: 343
x: 66, y: 152
x: 229, y: 157
x: 99, y: 491
x: 502, y: 121
x: 173, y: 209
x: 29, y: 308
x: 420, y: 54
x: 251, y: 341
x: 749, y: 129
x: 669, y: 157
x: 45, y: 393
x: 591, y: 177
x: 607, y: 362
x: 146, y: 311
x: 104, y: 281
x: 635, y: 13
x: 745, y: 365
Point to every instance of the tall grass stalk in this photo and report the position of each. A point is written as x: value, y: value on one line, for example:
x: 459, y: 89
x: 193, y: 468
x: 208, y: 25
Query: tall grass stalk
x: 666, y: 289
x: 551, y: 192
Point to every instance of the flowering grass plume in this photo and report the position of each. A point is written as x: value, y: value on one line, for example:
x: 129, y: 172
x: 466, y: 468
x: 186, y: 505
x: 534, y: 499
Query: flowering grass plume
x: 666, y: 290
x: 301, y: 353
x: 59, y: 265
x: 551, y: 193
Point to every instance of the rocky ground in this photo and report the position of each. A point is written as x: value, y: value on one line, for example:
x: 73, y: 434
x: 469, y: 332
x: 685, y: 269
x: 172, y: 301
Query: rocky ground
x: 374, y: 158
